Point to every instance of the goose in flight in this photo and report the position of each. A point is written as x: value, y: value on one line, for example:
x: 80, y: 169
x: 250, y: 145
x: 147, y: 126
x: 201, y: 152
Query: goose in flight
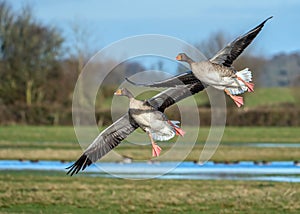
x: 150, y: 120
x: 218, y: 71
x: 120, y: 129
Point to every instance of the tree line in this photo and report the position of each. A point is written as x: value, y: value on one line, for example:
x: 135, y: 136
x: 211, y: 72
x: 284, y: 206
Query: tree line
x: 38, y: 75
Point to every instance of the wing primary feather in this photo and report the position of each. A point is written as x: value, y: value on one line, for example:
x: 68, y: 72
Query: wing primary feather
x: 104, y: 142
x: 231, y: 51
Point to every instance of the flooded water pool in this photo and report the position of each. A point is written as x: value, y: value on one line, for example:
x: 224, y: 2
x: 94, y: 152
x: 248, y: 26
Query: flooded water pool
x: 285, y: 171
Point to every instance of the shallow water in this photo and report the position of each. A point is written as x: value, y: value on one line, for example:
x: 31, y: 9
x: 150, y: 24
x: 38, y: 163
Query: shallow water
x: 285, y: 171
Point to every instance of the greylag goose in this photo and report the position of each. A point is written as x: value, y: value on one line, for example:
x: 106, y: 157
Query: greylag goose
x: 218, y: 71
x: 152, y: 121
x: 221, y: 77
x: 113, y: 135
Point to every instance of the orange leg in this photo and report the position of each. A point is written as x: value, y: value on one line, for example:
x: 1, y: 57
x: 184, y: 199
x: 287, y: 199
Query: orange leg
x: 155, y: 148
x: 237, y: 99
x: 248, y: 84
x: 178, y: 130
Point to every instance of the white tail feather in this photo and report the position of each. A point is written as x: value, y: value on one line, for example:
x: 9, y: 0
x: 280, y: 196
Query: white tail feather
x: 239, y: 90
x: 245, y: 74
x: 163, y: 136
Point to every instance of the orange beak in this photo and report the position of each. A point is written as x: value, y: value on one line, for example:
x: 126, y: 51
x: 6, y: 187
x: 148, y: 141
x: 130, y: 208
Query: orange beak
x: 178, y: 57
x: 118, y: 92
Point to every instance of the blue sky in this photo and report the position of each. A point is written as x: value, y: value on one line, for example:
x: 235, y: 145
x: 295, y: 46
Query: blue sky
x: 191, y: 21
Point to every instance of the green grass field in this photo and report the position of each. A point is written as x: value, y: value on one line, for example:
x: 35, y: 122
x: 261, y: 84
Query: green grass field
x: 60, y: 143
x: 65, y: 135
x: 261, y: 97
x: 270, y: 97
x: 52, y: 192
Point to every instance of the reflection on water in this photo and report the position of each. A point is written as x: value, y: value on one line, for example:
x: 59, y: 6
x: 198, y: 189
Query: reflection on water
x: 285, y: 171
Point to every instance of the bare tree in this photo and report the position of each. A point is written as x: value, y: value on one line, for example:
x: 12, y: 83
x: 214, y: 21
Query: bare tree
x: 29, y: 52
x: 81, y: 40
x: 80, y: 52
x: 213, y: 44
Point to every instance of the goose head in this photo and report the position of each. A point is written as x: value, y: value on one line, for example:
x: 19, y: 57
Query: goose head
x: 123, y: 92
x: 184, y: 58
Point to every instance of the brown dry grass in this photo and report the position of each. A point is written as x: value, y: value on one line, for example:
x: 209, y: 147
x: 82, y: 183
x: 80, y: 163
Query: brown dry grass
x: 48, y: 193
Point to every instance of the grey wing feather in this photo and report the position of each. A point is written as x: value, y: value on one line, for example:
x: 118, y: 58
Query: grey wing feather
x: 181, y: 79
x: 227, y: 55
x: 105, y: 142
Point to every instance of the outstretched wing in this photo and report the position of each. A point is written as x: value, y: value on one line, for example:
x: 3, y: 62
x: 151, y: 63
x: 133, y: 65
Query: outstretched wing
x: 105, y: 142
x: 181, y: 79
x: 173, y: 95
x: 227, y: 55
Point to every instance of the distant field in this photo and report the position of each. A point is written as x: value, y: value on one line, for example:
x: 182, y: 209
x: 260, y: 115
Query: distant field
x: 260, y: 97
x: 52, y: 192
x: 270, y: 96
x: 60, y: 143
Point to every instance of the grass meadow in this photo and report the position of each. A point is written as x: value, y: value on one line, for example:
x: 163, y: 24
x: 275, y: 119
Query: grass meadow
x: 60, y: 143
x: 54, y: 192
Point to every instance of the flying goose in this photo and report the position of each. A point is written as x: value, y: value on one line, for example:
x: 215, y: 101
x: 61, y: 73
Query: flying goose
x: 120, y: 129
x: 218, y: 71
x: 152, y: 121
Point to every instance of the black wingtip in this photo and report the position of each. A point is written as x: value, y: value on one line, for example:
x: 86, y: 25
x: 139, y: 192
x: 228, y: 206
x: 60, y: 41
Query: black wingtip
x: 131, y: 82
x: 267, y: 19
x: 260, y: 26
x: 80, y: 164
x: 137, y: 84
